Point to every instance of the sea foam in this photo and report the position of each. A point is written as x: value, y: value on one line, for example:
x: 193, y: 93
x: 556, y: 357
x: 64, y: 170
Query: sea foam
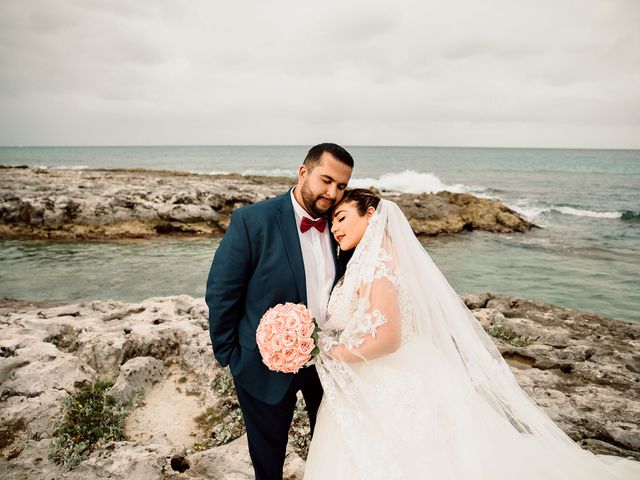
x: 62, y: 167
x: 410, y: 181
x: 578, y: 212
x: 274, y: 172
x: 531, y: 212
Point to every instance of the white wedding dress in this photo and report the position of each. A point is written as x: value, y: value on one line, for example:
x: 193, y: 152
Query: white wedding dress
x: 444, y: 405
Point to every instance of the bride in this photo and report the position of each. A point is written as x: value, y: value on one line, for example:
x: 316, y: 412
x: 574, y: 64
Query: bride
x: 414, y: 387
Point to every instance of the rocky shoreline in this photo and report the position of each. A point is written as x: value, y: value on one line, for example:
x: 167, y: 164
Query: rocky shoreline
x: 583, y: 369
x: 80, y: 205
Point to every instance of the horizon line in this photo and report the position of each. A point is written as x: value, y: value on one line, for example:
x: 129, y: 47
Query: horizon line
x: 308, y: 145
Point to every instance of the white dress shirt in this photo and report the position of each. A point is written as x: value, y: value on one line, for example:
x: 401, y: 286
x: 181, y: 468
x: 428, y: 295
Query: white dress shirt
x: 319, y: 269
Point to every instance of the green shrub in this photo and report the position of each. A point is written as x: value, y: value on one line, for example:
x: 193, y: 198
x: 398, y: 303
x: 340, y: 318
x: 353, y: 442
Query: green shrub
x: 207, y: 419
x: 223, y: 384
x: 509, y: 335
x: 92, y: 417
x: 300, y: 432
x: 223, y: 421
x: 230, y: 423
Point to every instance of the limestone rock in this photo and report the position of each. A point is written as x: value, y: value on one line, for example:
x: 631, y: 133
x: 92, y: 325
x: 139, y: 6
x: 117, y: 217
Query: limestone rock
x: 582, y: 369
x: 446, y: 213
x: 229, y: 462
x: 136, y: 376
x: 44, y: 367
x: 136, y: 203
x: 126, y: 460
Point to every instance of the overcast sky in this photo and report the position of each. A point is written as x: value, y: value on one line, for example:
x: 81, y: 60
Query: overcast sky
x: 538, y: 73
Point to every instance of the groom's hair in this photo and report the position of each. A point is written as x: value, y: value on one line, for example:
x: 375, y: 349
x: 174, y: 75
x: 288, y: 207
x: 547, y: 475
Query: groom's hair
x: 313, y: 157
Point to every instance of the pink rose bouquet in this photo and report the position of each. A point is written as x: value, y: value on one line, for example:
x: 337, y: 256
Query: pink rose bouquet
x: 287, y: 337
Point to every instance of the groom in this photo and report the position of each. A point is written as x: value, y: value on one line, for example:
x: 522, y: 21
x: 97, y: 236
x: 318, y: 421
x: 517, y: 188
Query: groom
x: 276, y: 251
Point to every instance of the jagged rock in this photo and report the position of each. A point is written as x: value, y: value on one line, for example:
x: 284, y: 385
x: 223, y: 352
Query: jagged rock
x: 137, y: 375
x: 477, y: 301
x: 30, y: 462
x: 227, y: 462
x: 188, y: 213
x: 584, y: 370
x: 127, y: 460
x: 446, y: 213
x: 230, y: 462
x: 136, y: 203
x: 44, y: 367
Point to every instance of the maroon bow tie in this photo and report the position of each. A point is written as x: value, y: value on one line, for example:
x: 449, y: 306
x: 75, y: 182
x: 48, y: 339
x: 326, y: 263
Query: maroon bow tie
x: 307, y: 223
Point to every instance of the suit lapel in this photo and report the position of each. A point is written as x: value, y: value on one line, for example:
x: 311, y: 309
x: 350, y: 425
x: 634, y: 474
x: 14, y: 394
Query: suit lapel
x: 287, y: 222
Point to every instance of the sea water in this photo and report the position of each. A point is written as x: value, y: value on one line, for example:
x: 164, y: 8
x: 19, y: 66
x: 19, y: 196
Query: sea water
x: 586, y: 254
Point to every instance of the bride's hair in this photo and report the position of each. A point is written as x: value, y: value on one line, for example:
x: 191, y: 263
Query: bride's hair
x: 362, y: 197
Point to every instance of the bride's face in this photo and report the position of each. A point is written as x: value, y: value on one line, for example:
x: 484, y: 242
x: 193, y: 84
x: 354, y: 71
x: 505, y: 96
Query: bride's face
x: 348, y: 225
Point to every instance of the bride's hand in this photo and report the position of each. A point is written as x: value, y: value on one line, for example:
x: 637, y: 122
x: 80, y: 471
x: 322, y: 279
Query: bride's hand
x: 342, y: 353
x: 338, y: 352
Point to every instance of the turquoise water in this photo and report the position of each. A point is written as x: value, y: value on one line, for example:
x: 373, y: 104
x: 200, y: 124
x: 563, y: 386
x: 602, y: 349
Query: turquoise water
x: 586, y: 256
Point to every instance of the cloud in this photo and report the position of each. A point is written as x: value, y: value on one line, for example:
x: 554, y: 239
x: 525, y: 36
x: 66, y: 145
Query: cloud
x: 459, y: 72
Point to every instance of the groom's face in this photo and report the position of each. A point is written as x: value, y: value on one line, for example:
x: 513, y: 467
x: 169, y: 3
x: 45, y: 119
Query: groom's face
x: 323, y: 186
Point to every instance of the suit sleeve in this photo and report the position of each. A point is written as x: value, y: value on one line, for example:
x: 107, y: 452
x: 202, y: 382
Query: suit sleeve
x: 226, y: 287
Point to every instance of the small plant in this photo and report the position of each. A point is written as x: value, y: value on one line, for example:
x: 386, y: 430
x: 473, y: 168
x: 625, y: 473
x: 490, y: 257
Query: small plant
x: 182, y: 379
x: 92, y: 417
x: 200, y: 446
x: 207, y: 419
x: 509, y: 335
x: 231, y: 424
x: 224, y: 420
x: 300, y: 431
x: 223, y: 384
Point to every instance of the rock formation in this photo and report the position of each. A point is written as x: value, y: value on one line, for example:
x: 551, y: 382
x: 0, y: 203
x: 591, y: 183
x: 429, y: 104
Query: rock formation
x: 114, y: 204
x: 584, y: 370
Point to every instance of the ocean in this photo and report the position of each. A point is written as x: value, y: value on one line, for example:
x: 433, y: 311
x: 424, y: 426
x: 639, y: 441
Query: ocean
x: 586, y: 255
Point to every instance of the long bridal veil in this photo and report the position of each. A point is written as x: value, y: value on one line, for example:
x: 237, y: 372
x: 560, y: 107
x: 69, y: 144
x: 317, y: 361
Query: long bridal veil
x: 445, y: 400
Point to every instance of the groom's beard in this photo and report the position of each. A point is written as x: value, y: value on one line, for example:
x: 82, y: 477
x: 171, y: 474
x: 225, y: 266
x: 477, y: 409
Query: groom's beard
x: 313, y: 203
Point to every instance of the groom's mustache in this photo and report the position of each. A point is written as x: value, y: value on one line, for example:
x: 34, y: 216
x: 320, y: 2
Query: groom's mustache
x: 332, y: 200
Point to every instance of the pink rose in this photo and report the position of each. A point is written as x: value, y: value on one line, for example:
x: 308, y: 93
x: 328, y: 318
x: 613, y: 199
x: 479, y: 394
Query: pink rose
x: 275, y: 345
x: 277, y: 360
x: 291, y: 323
x: 277, y: 324
x: 289, y: 339
x: 306, y: 330
x: 300, y: 360
x: 260, y: 337
x: 291, y: 360
x: 289, y: 354
x: 287, y: 310
x: 307, y: 345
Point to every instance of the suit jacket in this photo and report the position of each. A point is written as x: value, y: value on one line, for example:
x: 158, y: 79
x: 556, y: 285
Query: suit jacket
x: 258, y: 264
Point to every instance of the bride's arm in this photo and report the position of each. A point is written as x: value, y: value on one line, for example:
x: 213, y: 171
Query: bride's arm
x: 386, y: 338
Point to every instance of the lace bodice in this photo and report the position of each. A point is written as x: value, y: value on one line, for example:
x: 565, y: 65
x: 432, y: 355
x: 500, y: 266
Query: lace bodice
x: 363, y: 318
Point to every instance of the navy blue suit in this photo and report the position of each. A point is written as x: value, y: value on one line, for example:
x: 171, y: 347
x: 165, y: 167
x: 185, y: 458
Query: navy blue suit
x: 257, y: 265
